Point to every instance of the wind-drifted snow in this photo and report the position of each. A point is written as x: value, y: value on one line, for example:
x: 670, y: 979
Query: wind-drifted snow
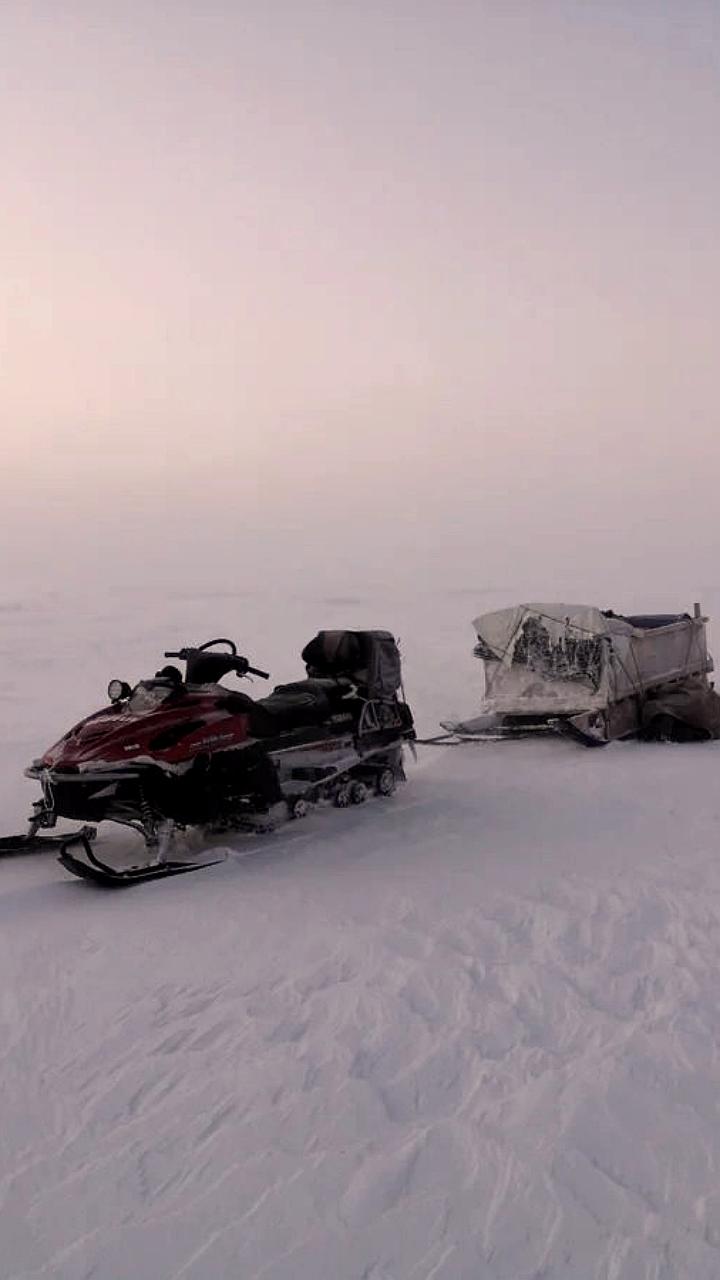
x: 469, y: 1033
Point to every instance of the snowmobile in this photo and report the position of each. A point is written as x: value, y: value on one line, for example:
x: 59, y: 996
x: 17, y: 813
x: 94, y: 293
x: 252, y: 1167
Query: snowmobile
x: 177, y: 753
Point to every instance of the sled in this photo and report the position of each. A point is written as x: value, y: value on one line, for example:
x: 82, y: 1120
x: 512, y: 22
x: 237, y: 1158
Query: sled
x: 590, y: 674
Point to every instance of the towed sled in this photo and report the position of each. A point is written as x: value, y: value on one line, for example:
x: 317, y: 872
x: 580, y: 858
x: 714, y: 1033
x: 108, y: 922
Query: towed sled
x: 184, y: 752
x: 593, y: 674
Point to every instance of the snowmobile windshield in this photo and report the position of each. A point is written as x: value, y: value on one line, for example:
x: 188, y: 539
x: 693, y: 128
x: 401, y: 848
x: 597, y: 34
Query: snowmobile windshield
x: 149, y: 694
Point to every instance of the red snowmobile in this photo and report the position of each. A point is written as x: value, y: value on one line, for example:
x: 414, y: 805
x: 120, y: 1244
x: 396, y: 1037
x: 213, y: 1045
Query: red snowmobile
x: 174, y: 753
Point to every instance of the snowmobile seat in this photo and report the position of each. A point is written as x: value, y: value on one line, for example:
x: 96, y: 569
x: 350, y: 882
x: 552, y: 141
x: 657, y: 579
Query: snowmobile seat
x: 304, y: 702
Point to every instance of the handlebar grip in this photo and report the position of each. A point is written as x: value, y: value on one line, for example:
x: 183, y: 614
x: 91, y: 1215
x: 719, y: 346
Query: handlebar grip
x: 255, y: 671
x: 168, y: 654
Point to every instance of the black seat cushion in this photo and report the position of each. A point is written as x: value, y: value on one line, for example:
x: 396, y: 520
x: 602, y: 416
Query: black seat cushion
x: 304, y: 702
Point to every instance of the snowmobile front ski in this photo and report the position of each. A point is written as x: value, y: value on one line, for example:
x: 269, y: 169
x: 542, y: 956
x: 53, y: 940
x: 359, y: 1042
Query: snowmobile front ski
x: 33, y: 842
x: 93, y: 868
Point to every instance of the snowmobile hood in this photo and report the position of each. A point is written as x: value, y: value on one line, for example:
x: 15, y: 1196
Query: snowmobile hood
x: 178, y: 729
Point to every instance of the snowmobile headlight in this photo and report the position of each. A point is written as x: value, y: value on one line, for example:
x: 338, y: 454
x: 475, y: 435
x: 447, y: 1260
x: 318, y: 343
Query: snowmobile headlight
x: 118, y: 689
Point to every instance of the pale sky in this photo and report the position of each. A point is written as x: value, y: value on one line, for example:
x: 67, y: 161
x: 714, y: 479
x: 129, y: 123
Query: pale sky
x: 423, y: 283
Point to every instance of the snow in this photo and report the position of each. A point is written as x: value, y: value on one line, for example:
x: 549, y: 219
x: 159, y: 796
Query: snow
x: 469, y: 1033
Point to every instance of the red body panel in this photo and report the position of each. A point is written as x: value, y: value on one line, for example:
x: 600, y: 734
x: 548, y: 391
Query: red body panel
x: 117, y: 734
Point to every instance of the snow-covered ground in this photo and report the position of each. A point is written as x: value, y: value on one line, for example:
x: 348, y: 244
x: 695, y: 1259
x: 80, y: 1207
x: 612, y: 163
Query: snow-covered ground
x: 470, y: 1033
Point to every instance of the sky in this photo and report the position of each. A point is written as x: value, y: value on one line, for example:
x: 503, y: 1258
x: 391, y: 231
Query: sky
x: 414, y: 291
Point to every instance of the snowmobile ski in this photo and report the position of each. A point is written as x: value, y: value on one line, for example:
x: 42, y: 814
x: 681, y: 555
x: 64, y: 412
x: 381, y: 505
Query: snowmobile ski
x: 93, y: 868
x: 35, y: 843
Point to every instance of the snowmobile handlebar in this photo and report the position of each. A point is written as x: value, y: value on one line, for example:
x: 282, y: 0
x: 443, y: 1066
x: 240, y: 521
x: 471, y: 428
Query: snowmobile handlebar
x: 230, y: 661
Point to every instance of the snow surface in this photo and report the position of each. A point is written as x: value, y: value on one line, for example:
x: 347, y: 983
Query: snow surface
x: 470, y: 1033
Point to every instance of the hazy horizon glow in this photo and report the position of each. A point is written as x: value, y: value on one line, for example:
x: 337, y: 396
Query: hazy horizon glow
x: 433, y: 282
